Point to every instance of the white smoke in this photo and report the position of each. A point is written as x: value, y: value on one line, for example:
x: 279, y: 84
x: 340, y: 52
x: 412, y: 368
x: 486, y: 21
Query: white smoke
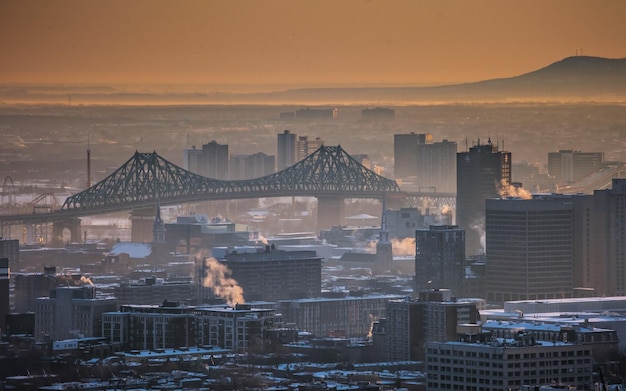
x: 508, y: 190
x: 217, y: 277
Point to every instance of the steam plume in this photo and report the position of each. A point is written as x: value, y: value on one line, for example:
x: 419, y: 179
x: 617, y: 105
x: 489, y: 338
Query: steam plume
x: 399, y: 247
x: 508, y: 190
x: 218, y: 278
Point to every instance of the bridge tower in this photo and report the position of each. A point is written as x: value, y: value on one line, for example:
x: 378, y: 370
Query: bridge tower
x: 330, y: 211
x: 72, y: 225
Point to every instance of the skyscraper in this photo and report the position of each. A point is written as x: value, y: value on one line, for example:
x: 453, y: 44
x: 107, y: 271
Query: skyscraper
x: 405, y: 153
x: 440, y: 258
x: 286, y: 151
x: 529, y: 248
x: 211, y: 161
x: 251, y: 166
x: 480, y: 173
x: 436, y: 166
x: 568, y: 166
x: 600, y: 245
x: 4, y: 293
x: 305, y: 146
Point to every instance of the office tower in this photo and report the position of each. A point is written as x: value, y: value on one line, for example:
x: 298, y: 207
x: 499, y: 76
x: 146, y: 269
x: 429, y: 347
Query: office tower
x: 405, y: 153
x: 29, y: 286
x: 71, y: 312
x: 411, y: 324
x: 520, y: 363
x: 10, y: 248
x: 480, y: 173
x: 251, y: 166
x: 5, y: 307
x: 436, y: 166
x: 305, y: 147
x: 530, y: 246
x: 440, y: 258
x: 271, y: 275
x: 211, y: 161
x: 600, y: 245
x: 286, y: 152
x: 568, y: 166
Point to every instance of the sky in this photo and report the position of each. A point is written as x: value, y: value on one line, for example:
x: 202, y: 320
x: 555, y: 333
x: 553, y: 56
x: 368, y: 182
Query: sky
x: 298, y: 42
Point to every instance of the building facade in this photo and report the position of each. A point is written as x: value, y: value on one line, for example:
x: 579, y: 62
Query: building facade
x: 436, y: 166
x: 272, y: 275
x: 440, y: 258
x: 481, y: 172
x: 251, y: 166
x: 507, y: 365
x: 286, y: 150
x: 306, y: 146
x: 405, y: 154
x: 211, y: 161
x: 350, y: 316
x: 568, y: 166
x: 70, y: 312
x: 530, y: 248
x: 600, y: 245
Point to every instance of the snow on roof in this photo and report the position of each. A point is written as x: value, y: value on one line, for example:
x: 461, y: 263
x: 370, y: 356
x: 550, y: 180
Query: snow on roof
x: 133, y: 249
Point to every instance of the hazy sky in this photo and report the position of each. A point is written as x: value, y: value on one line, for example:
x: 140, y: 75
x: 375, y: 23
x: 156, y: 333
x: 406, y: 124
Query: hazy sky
x: 301, y: 42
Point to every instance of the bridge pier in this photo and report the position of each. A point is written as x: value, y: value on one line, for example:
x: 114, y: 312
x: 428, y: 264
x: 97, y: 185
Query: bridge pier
x: 141, y: 221
x: 330, y: 211
x: 72, y: 225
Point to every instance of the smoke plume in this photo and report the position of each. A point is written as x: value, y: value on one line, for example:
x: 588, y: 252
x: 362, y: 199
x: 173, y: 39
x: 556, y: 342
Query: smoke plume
x: 217, y: 277
x: 508, y: 190
x: 399, y: 247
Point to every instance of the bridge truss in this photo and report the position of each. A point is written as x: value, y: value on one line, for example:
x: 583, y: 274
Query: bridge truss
x: 148, y: 179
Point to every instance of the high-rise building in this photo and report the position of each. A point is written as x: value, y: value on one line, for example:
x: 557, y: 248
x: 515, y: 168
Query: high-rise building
x: 211, y: 161
x: 272, y: 275
x: 568, y: 166
x: 440, y: 258
x: 480, y: 173
x: 286, y: 152
x: 600, y: 245
x: 71, y: 312
x: 29, y: 286
x: 251, y: 166
x: 405, y: 153
x: 10, y: 248
x: 5, y: 307
x: 436, y: 166
x: 411, y: 324
x: 306, y: 146
x: 530, y: 246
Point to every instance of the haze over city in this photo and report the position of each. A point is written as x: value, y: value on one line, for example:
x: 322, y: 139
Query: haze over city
x: 273, y: 44
x: 313, y: 195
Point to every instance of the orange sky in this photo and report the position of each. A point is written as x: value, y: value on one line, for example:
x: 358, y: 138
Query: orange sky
x: 301, y: 42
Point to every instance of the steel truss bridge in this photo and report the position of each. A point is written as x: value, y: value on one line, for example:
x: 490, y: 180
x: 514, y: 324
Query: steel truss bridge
x: 147, y: 180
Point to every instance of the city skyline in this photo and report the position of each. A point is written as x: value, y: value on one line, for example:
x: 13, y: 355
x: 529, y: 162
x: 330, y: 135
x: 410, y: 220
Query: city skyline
x: 274, y: 44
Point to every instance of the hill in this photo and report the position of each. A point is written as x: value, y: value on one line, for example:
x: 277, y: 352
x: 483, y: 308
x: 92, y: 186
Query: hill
x: 580, y: 78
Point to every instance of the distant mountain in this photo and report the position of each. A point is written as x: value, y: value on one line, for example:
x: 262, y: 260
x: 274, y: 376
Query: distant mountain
x: 579, y: 78
x: 573, y: 78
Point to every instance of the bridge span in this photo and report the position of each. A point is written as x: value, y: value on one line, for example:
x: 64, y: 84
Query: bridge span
x: 147, y: 179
